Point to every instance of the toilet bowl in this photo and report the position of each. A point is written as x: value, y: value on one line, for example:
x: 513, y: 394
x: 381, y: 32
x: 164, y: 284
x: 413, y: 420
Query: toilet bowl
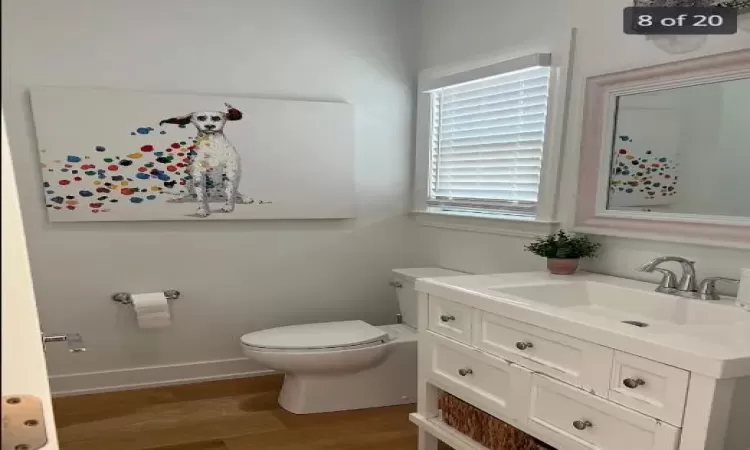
x: 343, y: 377
x: 337, y: 366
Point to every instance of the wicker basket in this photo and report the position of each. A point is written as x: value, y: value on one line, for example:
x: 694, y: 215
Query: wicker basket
x: 484, y: 428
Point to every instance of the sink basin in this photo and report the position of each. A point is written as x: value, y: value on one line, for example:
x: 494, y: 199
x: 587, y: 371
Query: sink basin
x: 633, y: 306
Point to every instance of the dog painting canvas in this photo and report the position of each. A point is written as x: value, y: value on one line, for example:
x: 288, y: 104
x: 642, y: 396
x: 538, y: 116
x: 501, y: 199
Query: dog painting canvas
x: 111, y: 155
x: 215, y: 169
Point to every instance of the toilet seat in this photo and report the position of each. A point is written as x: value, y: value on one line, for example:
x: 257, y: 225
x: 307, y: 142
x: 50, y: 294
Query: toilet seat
x: 345, y: 335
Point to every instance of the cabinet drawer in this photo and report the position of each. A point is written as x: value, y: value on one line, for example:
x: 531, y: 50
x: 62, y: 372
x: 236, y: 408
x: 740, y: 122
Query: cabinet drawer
x: 648, y: 386
x: 565, y: 414
x: 450, y: 319
x: 494, y: 385
x: 566, y: 358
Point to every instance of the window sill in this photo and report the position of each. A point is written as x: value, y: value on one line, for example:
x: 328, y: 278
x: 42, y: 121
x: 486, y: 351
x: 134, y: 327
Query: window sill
x: 505, y: 224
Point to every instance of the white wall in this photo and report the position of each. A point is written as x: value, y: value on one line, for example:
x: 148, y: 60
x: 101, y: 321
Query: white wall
x: 235, y: 277
x: 457, y: 31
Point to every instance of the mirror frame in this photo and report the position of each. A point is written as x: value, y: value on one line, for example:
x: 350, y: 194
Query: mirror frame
x: 602, y: 91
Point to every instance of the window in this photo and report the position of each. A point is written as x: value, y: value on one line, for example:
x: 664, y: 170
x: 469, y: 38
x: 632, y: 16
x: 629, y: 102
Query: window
x: 487, y: 132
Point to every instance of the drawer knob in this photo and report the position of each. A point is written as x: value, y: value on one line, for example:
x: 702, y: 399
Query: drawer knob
x: 524, y: 345
x: 464, y: 372
x: 633, y: 383
x: 447, y: 318
x: 582, y: 424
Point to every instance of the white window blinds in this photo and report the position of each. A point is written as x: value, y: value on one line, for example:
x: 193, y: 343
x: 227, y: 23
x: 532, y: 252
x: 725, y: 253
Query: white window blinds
x: 487, y: 138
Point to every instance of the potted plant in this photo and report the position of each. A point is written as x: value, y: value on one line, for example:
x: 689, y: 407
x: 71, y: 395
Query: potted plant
x: 563, y: 251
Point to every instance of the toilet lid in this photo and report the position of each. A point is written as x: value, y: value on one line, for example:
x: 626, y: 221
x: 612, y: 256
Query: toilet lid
x: 316, y: 336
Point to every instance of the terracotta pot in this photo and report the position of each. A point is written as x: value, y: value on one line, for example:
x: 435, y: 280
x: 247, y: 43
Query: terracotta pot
x: 562, y: 266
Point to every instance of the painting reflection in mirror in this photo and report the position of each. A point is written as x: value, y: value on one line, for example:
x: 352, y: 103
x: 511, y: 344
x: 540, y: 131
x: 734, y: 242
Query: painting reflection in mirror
x: 684, y: 150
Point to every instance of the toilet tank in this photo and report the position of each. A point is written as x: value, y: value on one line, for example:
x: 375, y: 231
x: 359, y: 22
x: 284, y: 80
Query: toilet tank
x: 403, y: 280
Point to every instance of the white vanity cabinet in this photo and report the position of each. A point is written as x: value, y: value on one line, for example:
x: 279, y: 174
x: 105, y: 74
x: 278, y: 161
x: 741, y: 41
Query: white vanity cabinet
x: 569, y: 391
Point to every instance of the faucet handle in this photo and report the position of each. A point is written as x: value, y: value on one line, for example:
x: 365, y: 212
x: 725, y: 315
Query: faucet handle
x: 687, y: 282
x: 707, y: 288
x: 668, y: 281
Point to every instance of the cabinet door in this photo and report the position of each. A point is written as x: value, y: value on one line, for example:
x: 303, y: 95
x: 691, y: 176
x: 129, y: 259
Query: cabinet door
x: 496, y: 386
x: 581, y: 363
x: 563, y: 413
x: 650, y: 387
x: 450, y: 319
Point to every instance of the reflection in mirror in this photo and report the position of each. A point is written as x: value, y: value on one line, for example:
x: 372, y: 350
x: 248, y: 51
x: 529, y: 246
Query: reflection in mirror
x: 684, y: 150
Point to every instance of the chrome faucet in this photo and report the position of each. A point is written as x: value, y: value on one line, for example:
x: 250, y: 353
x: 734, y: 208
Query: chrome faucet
x: 686, y: 287
x: 687, y: 281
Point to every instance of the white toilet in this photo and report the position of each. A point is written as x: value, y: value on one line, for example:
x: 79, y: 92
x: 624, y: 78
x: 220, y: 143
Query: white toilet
x: 339, y: 366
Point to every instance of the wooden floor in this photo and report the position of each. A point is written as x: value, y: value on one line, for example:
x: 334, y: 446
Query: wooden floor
x: 224, y: 415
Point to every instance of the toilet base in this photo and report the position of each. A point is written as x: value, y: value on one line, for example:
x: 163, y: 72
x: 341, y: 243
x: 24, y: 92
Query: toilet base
x: 392, y: 382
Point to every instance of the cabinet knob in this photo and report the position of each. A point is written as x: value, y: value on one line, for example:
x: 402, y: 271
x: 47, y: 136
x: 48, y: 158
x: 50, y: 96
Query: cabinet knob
x: 524, y: 345
x: 464, y: 372
x: 396, y: 284
x: 633, y: 383
x: 447, y: 318
x: 582, y: 424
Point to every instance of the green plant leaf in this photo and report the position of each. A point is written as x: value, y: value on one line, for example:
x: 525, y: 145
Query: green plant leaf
x: 564, y: 245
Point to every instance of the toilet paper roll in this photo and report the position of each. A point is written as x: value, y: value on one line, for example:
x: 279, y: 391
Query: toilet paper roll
x: 152, y: 310
x: 743, y: 295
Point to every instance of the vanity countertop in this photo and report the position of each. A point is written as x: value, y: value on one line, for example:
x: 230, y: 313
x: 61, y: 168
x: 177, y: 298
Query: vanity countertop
x: 706, y: 337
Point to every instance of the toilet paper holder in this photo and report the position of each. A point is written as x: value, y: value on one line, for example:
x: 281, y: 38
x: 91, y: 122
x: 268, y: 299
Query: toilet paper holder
x: 126, y: 299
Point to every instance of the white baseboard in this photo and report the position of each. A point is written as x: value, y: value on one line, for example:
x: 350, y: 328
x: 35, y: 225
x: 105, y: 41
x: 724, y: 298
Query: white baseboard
x: 153, y: 376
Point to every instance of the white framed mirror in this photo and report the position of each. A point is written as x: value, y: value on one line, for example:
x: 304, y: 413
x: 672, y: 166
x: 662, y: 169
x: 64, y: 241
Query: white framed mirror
x: 666, y: 152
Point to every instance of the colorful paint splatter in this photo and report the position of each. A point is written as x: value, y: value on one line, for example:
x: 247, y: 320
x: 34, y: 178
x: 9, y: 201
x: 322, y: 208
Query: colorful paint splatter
x: 100, y: 181
x: 650, y: 176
